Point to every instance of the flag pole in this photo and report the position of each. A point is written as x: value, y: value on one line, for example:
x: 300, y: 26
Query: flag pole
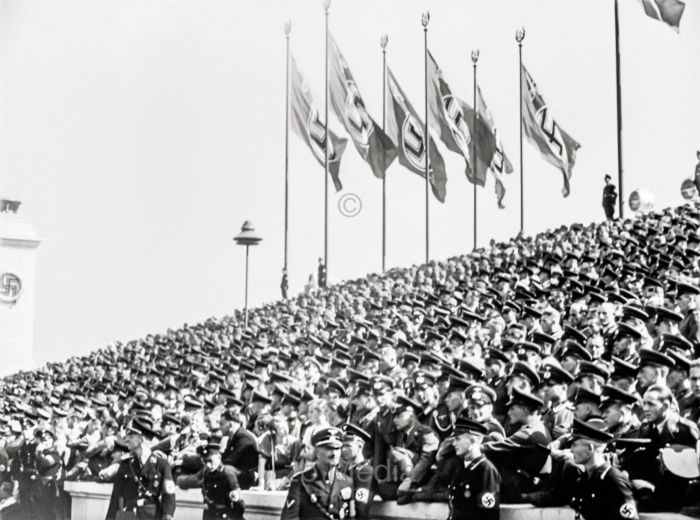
x: 326, y: 8
x: 384, y: 41
x: 425, y: 18
x: 621, y: 198
x: 475, y: 58
x: 519, y: 37
x: 287, y: 31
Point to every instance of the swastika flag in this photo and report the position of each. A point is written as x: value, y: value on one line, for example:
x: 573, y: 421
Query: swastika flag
x: 307, y: 124
x: 407, y: 131
x: 542, y: 130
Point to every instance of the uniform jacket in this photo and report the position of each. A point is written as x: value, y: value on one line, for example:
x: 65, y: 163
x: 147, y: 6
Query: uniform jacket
x: 313, y: 496
x: 605, y: 494
x: 134, y: 483
x: 241, y: 451
x: 559, y: 419
x: 423, y: 442
x: 475, y: 491
x: 558, y: 488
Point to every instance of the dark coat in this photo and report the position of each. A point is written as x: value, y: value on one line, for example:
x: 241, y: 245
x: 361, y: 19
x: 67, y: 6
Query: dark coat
x: 313, y: 497
x: 605, y: 494
x: 475, y: 491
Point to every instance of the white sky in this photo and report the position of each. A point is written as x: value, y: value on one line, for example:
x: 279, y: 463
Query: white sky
x: 140, y: 135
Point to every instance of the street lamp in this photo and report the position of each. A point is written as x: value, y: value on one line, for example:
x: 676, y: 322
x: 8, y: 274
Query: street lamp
x: 247, y: 237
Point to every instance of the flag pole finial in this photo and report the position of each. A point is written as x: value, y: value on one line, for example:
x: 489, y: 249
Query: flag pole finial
x: 424, y: 19
x: 384, y: 40
x: 475, y: 56
x: 520, y: 35
x: 326, y: 5
x: 287, y: 28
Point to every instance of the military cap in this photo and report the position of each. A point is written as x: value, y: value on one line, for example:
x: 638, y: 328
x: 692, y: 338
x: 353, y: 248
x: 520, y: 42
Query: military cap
x: 457, y: 384
x: 586, y: 368
x: 279, y: 377
x: 524, y: 370
x: 631, y: 311
x: 481, y: 395
x: 356, y: 375
x: 614, y: 395
x: 212, y: 448
x: 191, y: 403
x: 542, y: 339
x: 404, y: 404
x: 531, y: 311
x: 522, y: 347
x: 370, y: 354
x: 664, y: 314
x: 555, y: 375
x: 466, y: 314
x: 649, y: 357
x: 492, y: 355
x: 410, y: 357
x: 574, y: 334
x: 423, y: 379
x: 623, y: 369
x: 381, y: 384
x: 170, y: 418
x: 290, y: 399
x: 327, y: 438
x: 686, y: 288
x: 597, y: 296
x: 143, y: 427
x: 354, y: 432
x: 530, y: 401
x: 511, y: 305
x: 260, y: 398
x: 616, y: 297
x: 335, y: 385
x: 584, y: 395
x: 576, y: 350
x: 469, y: 367
x: 628, y: 331
x: 590, y: 432
x: 676, y: 341
x: 466, y: 425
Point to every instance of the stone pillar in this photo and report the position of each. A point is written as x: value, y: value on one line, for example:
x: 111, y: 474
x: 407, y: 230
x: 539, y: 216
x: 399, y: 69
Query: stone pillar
x: 18, y: 245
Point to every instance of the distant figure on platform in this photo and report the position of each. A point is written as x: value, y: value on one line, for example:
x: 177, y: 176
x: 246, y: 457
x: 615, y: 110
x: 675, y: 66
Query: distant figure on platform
x: 321, y: 274
x: 609, y: 198
x: 284, y: 286
x: 696, y: 178
x: 310, y: 284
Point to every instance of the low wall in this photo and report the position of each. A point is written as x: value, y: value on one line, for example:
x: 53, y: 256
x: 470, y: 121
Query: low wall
x: 90, y: 501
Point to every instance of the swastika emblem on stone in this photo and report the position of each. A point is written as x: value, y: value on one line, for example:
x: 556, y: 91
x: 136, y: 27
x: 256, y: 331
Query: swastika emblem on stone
x: 10, y: 288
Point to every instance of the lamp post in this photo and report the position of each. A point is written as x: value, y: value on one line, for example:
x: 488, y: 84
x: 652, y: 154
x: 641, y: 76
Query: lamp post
x: 247, y: 237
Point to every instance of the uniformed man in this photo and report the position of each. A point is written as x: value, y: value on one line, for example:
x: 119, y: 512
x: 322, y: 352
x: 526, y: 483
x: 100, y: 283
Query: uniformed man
x: 617, y: 407
x: 687, y: 297
x: 143, y: 483
x: 414, y: 448
x: 474, y: 492
x: 47, y: 488
x: 322, y: 492
x: 219, y: 486
x: 284, y: 284
x: 358, y: 468
x: 602, y: 492
x: 609, y: 198
x: 559, y: 415
x: 239, y: 448
x: 480, y: 401
x: 384, y: 435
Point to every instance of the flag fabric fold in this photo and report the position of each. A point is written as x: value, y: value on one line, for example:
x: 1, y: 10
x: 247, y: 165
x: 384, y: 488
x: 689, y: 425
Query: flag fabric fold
x: 371, y: 142
x: 555, y: 145
x: 407, y: 131
x: 500, y: 163
x: 307, y: 124
x: 667, y: 11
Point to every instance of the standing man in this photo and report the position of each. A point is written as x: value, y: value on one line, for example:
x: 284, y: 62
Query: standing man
x: 284, y: 285
x: 239, y: 448
x: 219, y: 486
x: 321, y: 274
x: 144, y: 482
x: 322, y: 492
x: 476, y: 486
x: 603, y: 492
x: 609, y: 198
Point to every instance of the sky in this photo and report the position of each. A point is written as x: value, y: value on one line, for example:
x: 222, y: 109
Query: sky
x: 141, y: 135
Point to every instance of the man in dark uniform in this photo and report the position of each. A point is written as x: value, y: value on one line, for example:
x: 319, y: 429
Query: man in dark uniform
x: 358, y: 468
x: 219, y: 486
x: 47, y: 493
x: 384, y: 433
x: 559, y: 415
x: 617, y: 406
x: 414, y: 448
x: 609, y: 198
x: 476, y: 486
x: 143, y: 483
x: 241, y: 448
x: 687, y: 297
x: 321, y: 273
x: 480, y: 401
x: 602, y: 492
x: 664, y: 427
x: 284, y: 285
x: 322, y: 492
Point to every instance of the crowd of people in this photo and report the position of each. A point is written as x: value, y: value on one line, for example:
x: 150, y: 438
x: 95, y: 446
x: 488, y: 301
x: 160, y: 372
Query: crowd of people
x: 560, y: 370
